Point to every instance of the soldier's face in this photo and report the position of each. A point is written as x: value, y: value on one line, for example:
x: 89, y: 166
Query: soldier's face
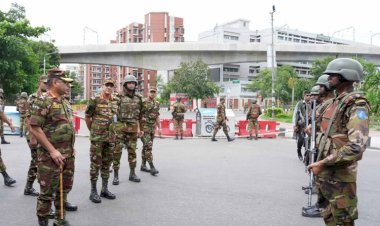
x: 62, y: 87
x: 130, y: 86
x: 306, y: 97
x: 334, y: 80
x: 152, y: 94
x: 108, y: 88
x: 43, y: 86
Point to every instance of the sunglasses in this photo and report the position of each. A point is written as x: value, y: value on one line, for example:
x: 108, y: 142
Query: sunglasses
x: 152, y: 91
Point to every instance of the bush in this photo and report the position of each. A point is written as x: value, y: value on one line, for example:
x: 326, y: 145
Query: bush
x: 277, y: 111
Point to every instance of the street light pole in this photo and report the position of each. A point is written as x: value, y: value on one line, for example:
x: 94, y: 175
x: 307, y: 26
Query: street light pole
x: 273, y: 69
x: 344, y: 29
x: 84, y: 34
x: 373, y: 36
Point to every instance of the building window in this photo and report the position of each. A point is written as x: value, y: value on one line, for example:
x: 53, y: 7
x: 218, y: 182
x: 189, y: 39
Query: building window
x: 231, y: 37
x: 230, y: 69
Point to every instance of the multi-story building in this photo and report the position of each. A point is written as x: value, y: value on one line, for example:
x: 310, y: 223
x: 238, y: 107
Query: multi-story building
x: 157, y: 27
x: 234, y: 77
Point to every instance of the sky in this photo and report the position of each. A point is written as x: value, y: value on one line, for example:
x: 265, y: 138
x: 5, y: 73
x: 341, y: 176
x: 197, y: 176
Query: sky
x: 68, y: 18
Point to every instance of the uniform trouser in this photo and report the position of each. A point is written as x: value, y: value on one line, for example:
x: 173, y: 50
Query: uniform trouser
x: 147, y: 140
x: 178, y: 124
x: 2, y: 165
x: 100, y: 157
x: 300, y: 142
x: 255, y: 123
x: 130, y: 140
x: 32, y: 172
x: 22, y: 124
x: 217, y: 127
x: 118, y: 150
x: 342, y: 202
x: 1, y: 128
x: 48, y: 174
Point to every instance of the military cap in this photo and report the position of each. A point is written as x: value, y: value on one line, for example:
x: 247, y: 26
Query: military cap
x: 58, y: 73
x: 43, y: 78
x: 153, y: 88
x: 108, y: 81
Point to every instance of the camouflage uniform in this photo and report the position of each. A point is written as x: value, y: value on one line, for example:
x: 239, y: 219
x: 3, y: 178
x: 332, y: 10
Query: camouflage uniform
x: 178, y: 117
x: 221, y: 121
x: 253, y: 113
x: 2, y: 165
x: 301, y: 108
x: 129, y: 117
x: 343, y: 148
x: 151, y: 112
x: 22, y: 107
x: 54, y: 117
x: 2, y: 105
x: 101, y: 151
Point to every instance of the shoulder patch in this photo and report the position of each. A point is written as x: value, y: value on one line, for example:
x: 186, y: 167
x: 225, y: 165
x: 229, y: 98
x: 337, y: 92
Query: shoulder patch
x: 361, y: 114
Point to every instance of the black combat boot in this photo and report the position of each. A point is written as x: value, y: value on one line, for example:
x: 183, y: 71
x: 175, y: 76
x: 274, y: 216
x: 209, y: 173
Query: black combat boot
x: 70, y: 207
x: 43, y: 221
x: 3, y: 141
x: 133, y: 177
x: 105, y: 193
x: 8, y: 181
x: 176, y: 137
x: 116, y: 177
x: 21, y: 134
x: 311, y: 212
x: 29, y: 190
x: 230, y: 139
x: 61, y: 223
x: 256, y: 137
x: 94, y: 197
x: 143, y: 167
x: 153, y: 170
x: 51, y: 214
x: 181, y: 136
x: 250, y: 137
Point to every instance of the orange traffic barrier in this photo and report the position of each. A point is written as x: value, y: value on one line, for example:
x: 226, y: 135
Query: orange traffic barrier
x: 167, y: 128
x: 267, y: 128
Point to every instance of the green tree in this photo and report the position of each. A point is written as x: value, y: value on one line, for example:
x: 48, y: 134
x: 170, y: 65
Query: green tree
x: 192, y: 78
x: 262, y: 84
x: 76, y: 89
x: 319, y: 66
x: 19, y: 65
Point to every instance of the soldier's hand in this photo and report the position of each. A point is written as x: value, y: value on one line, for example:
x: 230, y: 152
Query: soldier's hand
x: 13, y: 129
x: 140, y: 133
x: 295, y: 128
x: 57, y: 157
x: 308, y: 130
x: 316, y: 167
x: 74, y: 152
x: 159, y: 133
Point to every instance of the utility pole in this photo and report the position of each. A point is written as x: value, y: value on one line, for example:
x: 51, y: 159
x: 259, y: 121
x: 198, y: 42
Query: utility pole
x: 273, y: 68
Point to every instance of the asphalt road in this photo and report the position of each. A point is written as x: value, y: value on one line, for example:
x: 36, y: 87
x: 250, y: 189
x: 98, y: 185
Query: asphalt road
x: 200, y: 183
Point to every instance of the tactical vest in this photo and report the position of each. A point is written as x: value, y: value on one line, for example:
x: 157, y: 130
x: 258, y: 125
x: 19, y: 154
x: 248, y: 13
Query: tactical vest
x: 130, y: 108
x: 221, y: 112
x: 178, y: 108
x: 254, y: 111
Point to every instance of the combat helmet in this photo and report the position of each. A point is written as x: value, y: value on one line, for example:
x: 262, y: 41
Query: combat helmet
x: 314, y: 90
x: 350, y: 69
x: 324, y: 80
x: 24, y: 94
x: 130, y: 78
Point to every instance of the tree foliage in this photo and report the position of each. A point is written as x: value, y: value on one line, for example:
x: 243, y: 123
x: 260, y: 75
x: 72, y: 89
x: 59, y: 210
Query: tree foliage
x: 19, y: 64
x: 76, y: 88
x: 192, y: 78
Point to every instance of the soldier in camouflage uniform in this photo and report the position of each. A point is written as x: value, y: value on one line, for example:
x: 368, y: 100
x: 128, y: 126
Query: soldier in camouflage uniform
x: 178, y: 114
x: 300, y: 122
x: 22, y: 107
x: 2, y: 103
x: 221, y: 121
x: 150, y: 120
x: 51, y: 124
x: 325, y: 95
x: 253, y: 113
x: 344, y: 129
x: 99, y: 116
x: 8, y: 181
x: 31, y: 140
x: 128, y: 125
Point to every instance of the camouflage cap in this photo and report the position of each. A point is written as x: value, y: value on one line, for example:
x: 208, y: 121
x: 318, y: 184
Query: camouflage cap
x: 43, y: 78
x: 108, y: 81
x: 58, y: 73
x: 153, y: 88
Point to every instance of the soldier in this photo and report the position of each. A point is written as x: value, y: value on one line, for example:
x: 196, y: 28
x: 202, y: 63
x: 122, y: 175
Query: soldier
x: 178, y: 114
x: 51, y: 124
x: 8, y: 181
x: 3, y: 141
x: 300, y: 121
x: 253, y: 113
x: 31, y: 140
x: 150, y: 120
x: 344, y: 129
x: 99, y: 116
x: 325, y: 95
x: 22, y: 107
x: 221, y: 121
x: 128, y: 125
